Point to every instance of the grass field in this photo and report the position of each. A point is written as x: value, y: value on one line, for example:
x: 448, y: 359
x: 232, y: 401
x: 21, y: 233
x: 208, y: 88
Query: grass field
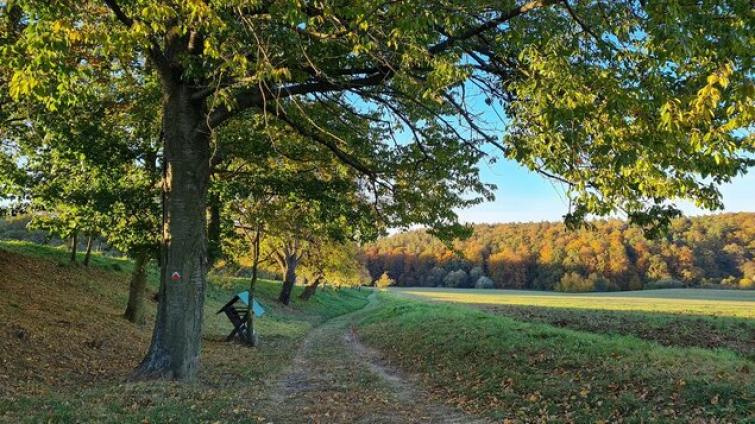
x: 529, y: 371
x: 710, y: 319
x: 725, y: 303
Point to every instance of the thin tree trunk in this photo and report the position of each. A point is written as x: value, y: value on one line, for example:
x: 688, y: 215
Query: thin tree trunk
x: 309, y: 290
x: 176, y: 338
x: 289, y: 278
x: 135, y: 308
x: 89, y: 249
x: 214, y: 248
x: 251, y: 336
x: 74, y: 246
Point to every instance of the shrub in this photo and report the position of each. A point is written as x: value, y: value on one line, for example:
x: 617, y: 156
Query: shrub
x: 571, y: 282
x: 484, y: 283
x: 730, y: 281
x: 385, y: 281
x: 575, y: 282
x: 455, y: 278
x: 435, y: 277
x: 746, y: 284
x: 475, y: 273
x: 665, y: 283
x: 600, y: 283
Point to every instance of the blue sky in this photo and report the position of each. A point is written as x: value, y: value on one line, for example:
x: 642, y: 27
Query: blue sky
x: 523, y: 196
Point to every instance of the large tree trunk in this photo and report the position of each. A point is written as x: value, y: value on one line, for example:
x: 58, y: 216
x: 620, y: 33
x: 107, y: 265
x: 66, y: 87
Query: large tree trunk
x: 135, y: 307
x: 310, y: 290
x: 89, y: 249
x: 74, y: 245
x: 289, y: 278
x: 176, y: 338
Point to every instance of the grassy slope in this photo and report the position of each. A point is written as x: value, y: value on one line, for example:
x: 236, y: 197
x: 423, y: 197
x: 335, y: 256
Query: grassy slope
x: 511, y: 369
x: 66, y: 351
x: 732, y: 303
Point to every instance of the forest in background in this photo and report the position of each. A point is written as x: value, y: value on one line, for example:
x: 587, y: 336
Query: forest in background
x: 707, y: 251
x: 716, y: 251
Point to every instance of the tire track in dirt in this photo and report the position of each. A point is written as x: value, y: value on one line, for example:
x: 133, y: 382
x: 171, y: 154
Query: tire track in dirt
x: 336, y: 379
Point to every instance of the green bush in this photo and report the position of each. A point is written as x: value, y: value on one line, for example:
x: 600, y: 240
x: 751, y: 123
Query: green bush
x: 484, y: 283
x: 665, y: 283
x: 575, y: 282
x: 455, y: 278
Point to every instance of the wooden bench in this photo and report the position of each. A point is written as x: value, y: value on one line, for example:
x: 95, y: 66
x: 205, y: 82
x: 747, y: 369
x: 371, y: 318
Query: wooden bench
x: 238, y: 314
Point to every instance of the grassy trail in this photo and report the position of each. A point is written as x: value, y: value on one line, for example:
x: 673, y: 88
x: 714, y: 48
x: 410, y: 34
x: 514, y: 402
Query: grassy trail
x: 334, y: 378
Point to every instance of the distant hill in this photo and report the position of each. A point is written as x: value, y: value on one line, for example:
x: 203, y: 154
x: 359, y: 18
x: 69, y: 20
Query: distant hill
x: 708, y: 251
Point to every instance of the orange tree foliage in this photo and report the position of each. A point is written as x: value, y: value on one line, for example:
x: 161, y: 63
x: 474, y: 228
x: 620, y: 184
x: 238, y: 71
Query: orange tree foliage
x: 716, y: 249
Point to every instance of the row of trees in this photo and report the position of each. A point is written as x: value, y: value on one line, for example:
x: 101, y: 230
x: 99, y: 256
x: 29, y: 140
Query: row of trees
x: 546, y: 256
x: 381, y: 104
x: 96, y: 174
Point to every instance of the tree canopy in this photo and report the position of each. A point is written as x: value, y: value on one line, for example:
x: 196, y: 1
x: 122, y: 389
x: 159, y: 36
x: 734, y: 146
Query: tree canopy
x: 630, y: 103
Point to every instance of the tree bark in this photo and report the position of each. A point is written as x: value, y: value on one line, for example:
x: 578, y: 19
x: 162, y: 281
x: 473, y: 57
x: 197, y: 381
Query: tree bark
x: 289, y: 278
x: 176, y: 338
x: 89, y: 249
x: 74, y: 246
x: 309, y: 290
x: 135, y: 307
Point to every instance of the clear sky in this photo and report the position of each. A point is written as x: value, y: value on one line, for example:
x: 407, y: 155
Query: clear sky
x: 523, y: 196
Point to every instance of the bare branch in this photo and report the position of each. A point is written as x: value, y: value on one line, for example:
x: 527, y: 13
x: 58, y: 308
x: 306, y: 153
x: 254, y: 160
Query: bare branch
x: 472, y: 32
x: 254, y: 97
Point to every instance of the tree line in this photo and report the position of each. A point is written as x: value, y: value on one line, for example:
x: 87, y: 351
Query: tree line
x: 707, y: 251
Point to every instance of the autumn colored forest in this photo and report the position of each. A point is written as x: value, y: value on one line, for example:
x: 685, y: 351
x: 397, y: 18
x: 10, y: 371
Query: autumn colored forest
x: 707, y: 251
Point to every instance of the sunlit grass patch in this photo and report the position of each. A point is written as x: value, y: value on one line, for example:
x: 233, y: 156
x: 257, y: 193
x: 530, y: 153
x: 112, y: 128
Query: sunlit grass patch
x: 513, y: 369
x: 61, y: 255
x: 733, y: 303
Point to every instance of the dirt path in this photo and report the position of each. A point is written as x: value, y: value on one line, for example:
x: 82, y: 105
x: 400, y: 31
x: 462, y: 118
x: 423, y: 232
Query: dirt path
x: 336, y: 379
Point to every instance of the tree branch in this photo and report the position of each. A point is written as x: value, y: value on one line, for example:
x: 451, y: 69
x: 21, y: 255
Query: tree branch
x: 255, y: 97
x: 154, y: 52
x: 340, y: 154
x: 472, y: 32
x: 118, y: 12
